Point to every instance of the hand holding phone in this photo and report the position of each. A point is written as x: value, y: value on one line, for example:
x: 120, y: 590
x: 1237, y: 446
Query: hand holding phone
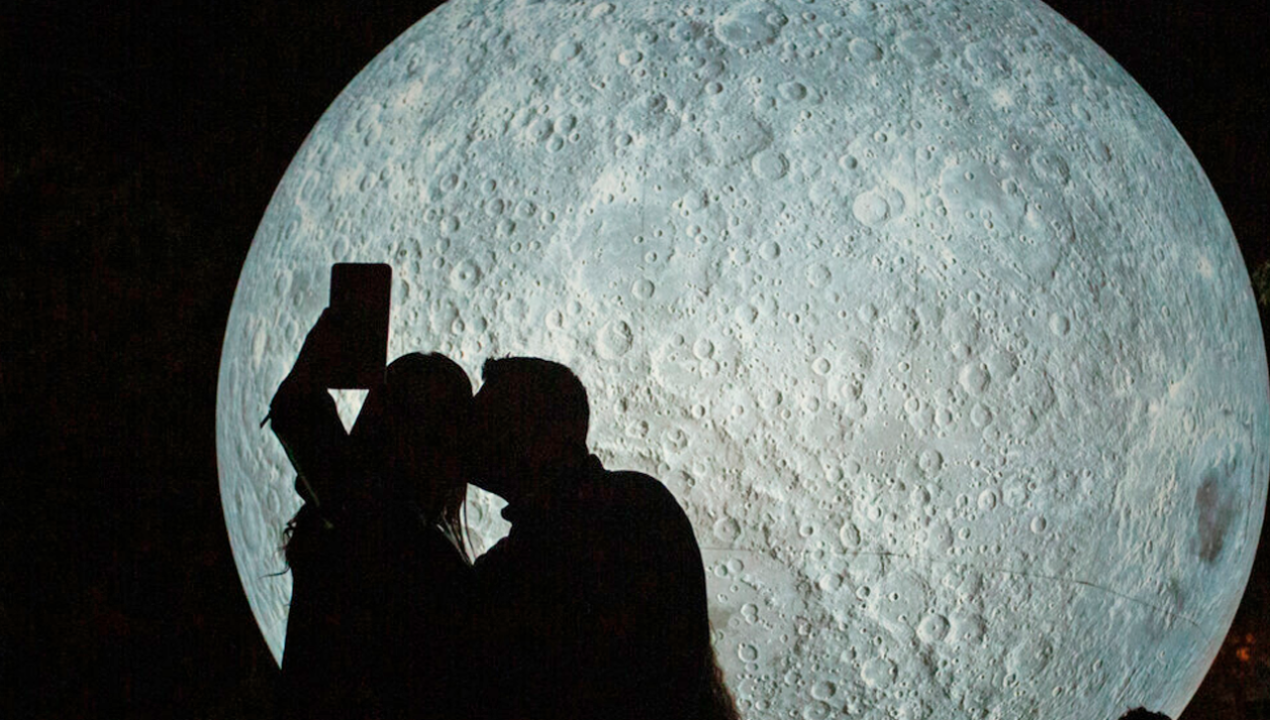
x: 361, y: 294
x: 347, y: 348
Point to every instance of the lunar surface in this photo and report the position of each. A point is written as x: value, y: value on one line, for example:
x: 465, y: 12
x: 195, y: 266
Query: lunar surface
x: 923, y: 311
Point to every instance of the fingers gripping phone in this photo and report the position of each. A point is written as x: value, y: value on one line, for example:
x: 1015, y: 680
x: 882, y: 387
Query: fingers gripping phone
x: 361, y: 294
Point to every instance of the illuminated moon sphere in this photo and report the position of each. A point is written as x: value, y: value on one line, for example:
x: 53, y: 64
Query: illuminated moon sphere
x: 923, y: 311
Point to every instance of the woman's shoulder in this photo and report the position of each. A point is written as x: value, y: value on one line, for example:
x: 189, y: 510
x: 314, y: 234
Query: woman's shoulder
x: 436, y: 548
x: 398, y: 530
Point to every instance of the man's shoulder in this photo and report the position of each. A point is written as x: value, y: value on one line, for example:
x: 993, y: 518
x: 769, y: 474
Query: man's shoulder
x: 636, y: 495
x: 635, y: 480
x: 630, y: 486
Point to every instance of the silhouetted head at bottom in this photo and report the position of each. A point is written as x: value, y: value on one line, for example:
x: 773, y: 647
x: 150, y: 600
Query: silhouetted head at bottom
x: 1143, y: 714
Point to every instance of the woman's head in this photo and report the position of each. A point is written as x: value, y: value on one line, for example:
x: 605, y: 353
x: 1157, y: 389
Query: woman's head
x: 413, y: 428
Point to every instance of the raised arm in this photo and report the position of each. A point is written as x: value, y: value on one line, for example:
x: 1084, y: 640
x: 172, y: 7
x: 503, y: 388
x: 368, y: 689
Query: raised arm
x: 302, y: 415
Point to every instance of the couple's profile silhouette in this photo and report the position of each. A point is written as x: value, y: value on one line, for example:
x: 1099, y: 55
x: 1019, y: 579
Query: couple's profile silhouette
x: 593, y: 606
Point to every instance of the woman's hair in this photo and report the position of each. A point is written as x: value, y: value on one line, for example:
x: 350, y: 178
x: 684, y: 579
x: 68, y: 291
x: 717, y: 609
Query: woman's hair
x: 426, y: 410
x: 717, y: 702
x: 407, y: 429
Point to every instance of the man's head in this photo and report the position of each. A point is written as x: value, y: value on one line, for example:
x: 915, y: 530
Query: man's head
x: 530, y: 419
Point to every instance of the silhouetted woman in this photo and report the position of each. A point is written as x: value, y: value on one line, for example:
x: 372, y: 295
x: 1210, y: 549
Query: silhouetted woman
x: 380, y: 573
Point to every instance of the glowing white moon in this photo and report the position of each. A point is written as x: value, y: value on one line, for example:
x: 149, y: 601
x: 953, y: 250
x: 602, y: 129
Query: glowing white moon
x: 924, y: 312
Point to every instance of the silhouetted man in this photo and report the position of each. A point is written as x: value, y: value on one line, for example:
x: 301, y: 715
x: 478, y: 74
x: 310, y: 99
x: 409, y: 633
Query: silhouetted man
x: 594, y: 606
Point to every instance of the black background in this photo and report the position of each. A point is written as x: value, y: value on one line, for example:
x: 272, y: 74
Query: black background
x: 139, y: 146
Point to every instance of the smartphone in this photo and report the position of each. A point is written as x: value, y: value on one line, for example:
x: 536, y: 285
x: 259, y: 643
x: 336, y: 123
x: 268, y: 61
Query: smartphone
x: 361, y: 294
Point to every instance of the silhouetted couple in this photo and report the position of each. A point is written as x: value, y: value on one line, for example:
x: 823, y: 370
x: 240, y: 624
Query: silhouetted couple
x: 593, y: 606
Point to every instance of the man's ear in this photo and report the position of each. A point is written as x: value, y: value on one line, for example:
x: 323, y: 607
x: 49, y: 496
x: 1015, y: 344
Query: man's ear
x: 547, y: 448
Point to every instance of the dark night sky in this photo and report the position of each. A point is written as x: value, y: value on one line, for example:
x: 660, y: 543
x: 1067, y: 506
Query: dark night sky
x: 140, y: 145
